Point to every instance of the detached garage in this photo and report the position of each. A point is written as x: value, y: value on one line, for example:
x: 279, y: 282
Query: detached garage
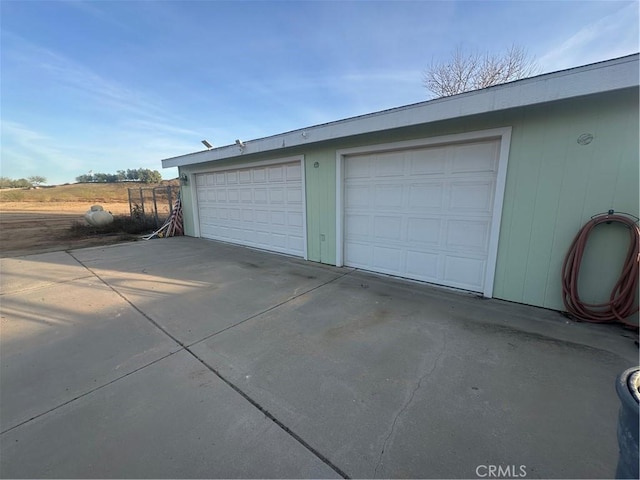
x: 482, y: 191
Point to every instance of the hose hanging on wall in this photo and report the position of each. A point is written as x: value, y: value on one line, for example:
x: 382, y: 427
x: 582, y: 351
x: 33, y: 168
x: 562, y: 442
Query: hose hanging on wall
x: 622, y: 299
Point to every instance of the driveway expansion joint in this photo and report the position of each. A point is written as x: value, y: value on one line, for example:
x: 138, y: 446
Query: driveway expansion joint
x: 271, y: 417
x: 234, y: 387
x: 88, y: 392
x: 266, y: 310
x: 134, y: 306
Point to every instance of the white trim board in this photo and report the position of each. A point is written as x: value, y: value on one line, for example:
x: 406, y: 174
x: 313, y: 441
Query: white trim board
x: 502, y: 134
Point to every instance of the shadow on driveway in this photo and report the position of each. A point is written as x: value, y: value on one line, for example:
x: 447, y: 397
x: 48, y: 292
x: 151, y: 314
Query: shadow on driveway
x: 186, y: 358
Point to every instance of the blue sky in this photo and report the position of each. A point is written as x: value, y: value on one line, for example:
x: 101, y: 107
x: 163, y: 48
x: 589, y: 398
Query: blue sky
x: 111, y: 85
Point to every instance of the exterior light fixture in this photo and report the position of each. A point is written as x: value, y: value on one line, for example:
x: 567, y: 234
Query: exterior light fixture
x: 240, y: 144
x: 184, y: 179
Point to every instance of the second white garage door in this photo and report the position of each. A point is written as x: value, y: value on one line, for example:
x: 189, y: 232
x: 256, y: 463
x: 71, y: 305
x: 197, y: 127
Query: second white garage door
x: 422, y: 213
x: 261, y: 207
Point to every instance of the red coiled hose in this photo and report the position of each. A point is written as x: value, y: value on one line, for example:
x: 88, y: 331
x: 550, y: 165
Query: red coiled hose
x: 623, y: 296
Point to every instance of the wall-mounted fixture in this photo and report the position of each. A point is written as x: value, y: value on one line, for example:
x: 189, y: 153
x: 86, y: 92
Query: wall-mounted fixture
x: 184, y: 179
x: 240, y: 144
x: 207, y: 144
x: 585, y: 139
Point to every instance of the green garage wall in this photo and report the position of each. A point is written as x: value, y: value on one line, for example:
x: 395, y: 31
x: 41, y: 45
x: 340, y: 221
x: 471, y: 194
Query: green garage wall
x: 554, y: 185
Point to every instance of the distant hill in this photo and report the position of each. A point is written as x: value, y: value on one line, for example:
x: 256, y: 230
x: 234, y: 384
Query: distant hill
x: 78, y: 192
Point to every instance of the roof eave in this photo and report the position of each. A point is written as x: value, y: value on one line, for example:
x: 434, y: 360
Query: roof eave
x: 588, y: 80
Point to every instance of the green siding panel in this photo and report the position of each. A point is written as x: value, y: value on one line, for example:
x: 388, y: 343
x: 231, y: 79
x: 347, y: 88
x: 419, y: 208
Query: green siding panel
x: 554, y: 185
x: 321, y: 205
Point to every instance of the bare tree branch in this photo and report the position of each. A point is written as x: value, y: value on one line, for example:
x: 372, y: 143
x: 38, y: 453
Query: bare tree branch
x: 472, y: 71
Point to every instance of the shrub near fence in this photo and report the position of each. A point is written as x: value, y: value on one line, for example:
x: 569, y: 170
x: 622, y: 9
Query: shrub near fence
x: 153, y: 202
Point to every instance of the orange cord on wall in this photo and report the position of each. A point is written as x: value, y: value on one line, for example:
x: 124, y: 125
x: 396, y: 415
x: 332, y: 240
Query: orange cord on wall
x: 623, y: 296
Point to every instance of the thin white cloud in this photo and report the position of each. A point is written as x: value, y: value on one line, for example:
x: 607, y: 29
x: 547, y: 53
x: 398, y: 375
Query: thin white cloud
x: 26, y: 152
x: 612, y: 36
x: 63, y: 73
x: 92, y: 8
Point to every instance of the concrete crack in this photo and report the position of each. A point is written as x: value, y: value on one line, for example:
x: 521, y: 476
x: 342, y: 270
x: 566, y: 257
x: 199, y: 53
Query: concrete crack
x: 407, y: 404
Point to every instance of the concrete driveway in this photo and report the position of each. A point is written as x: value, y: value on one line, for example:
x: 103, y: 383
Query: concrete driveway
x: 185, y: 358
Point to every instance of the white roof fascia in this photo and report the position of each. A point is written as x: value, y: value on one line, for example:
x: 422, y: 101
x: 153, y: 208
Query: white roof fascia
x: 587, y: 80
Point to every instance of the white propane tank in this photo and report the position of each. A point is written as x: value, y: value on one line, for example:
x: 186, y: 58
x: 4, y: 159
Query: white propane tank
x: 97, y: 217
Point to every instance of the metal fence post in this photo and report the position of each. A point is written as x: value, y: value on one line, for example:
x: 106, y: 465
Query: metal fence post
x: 155, y: 205
x: 142, y: 203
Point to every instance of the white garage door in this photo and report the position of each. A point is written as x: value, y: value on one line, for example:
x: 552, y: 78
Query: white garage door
x: 260, y: 207
x: 423, y: 213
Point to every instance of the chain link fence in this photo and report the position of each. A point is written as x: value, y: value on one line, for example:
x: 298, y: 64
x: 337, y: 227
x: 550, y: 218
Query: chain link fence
x: 153, y: 203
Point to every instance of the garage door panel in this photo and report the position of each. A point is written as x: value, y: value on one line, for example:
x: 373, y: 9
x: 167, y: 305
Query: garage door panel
x: 358, y: 167
x: 232, y: 178
x: 468, y: 235
x: 279, y: 240
x: 424, y: 231
x: 260, y: 207
x: 389, y: 165
x: 276, y: 196
x: 295, y: 219
x: 475, y: 158
x: 423, y: 266
x: 426, y: 195
x: 294, y: 195
x: 294, y: 172
x: 262, y: 238
x: 259, y: 175
x: 260, y: 196
x: 233, y: 195
x: 276, y: 174
x: 295, y: 244
x: 246, y: 195
x: 388, y: 259
x: 357, y: 225
x: 471, y: 196
x: 388, y: 196
x: 234, y: 214
x: 464, y: 272
x: 357, y: 196
x: 435, y: 164
x: 278, y: 218
x: 359, y: 255
x: 424, y: 214
x: 387, y: 228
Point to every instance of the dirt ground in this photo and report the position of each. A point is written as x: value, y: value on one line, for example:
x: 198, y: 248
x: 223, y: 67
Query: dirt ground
x: 35, y: 227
